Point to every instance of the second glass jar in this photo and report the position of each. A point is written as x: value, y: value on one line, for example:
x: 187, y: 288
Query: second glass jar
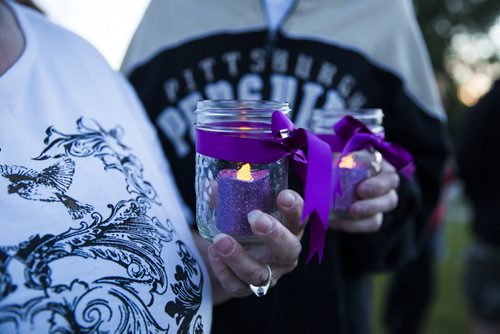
x: 356, y: 166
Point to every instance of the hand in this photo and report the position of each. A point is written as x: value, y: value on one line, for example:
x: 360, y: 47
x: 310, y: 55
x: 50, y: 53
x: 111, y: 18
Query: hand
x: 378, y: 195
x: 233, y: 267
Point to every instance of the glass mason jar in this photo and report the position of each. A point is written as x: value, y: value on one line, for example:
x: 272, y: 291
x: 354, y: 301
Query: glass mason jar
x: 356, y: 166
x: 226, y: 191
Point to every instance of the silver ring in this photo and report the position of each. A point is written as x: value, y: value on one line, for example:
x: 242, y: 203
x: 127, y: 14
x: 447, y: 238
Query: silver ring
x: 261, y: 290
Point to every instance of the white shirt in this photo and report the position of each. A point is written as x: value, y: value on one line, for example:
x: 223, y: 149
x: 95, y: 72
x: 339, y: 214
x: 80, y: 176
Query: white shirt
x: 92, y: 234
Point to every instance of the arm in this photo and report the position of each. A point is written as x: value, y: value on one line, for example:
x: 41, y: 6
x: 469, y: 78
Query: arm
x: 233, y: 267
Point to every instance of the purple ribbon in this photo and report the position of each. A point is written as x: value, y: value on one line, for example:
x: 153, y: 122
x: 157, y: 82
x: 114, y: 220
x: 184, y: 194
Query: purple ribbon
x: 352, y: 135
x: 314, y: 169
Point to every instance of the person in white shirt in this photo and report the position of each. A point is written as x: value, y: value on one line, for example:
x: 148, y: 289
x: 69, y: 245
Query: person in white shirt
x: 92, y: 234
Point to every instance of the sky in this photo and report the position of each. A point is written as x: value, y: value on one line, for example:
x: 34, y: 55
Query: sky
x: 107, y: 24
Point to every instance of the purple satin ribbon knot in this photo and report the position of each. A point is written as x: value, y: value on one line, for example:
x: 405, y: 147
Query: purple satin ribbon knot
x: 352, y: 135
x: 313, y: 169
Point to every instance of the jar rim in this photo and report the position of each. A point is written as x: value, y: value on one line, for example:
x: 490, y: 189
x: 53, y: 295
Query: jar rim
x: 359, y: 113
x: 323, y: 120
x: 223, y: 107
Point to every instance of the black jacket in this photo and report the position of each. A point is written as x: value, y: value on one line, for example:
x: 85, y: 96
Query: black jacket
x: 335, y: 53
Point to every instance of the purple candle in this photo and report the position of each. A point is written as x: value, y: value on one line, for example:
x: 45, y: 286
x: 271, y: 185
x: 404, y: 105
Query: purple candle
x: 238, y: 193
x: 350, y: 177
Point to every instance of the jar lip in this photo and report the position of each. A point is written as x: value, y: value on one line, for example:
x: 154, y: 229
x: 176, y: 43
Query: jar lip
x: 359, y: 113
x: 248, y: 107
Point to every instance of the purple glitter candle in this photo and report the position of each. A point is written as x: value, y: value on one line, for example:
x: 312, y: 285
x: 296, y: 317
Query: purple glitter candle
x: 350, y: 178
x: 350, y: 174
x: 237, y: 197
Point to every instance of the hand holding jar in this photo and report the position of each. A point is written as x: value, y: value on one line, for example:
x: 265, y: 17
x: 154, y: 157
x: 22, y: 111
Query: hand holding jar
x: 364, y: 183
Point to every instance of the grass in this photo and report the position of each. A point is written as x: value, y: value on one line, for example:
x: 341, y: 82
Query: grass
x: 448, y: 312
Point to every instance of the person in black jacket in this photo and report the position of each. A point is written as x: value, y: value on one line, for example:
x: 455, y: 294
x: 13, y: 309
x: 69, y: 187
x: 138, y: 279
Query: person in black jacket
x: 317, y: 54
x: 478, y: 158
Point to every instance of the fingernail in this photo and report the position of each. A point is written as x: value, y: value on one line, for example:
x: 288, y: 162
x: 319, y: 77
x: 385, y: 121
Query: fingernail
x: 287, y: 199
x: 260, y: 221
x: 253, y: 216
x: 223, y: 244
x: 212, y: 253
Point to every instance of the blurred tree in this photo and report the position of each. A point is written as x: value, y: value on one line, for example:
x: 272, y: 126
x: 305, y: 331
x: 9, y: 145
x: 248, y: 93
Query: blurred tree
x: 441, y: 22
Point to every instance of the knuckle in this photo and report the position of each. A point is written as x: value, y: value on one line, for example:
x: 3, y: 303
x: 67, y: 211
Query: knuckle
x: 294, y: 253
x: 388, y: 166
x: 273, y: 259
x: 278, y: 233
x: 235, y: 288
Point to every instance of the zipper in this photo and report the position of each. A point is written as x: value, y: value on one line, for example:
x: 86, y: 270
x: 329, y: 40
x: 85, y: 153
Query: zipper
x: 272, y: 34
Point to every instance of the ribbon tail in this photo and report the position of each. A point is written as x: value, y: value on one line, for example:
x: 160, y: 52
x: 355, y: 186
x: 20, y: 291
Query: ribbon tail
x: 316, y: 238
x: 315, y: 172
x: 318, y: 190
x: 408, y: 171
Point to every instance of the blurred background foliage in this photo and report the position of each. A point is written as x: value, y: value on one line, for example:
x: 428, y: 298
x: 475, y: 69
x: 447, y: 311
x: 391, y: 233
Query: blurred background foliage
x: 461, y: 36
x: 463, y: 39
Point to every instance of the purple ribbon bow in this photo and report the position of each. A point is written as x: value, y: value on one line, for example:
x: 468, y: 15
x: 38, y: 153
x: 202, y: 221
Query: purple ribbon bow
x: 352, y: 135
x: 314, y: 170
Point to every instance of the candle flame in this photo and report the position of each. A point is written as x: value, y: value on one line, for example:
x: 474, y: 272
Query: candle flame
x: 244, y: 173
x: 347, y: 162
